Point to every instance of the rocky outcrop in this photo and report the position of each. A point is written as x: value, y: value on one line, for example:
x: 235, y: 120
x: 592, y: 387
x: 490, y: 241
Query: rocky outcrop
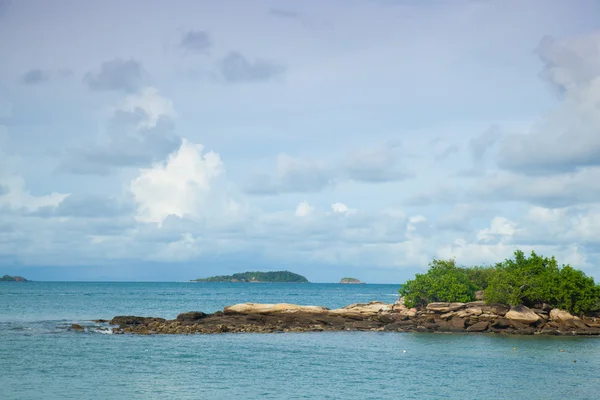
x: 523, y: 315
x: 256, y: 308
x: 474, y: 317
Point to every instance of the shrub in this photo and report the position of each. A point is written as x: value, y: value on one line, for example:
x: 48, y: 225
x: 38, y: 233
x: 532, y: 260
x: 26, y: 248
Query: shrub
x: 523, y: 280
x: 444, y: 281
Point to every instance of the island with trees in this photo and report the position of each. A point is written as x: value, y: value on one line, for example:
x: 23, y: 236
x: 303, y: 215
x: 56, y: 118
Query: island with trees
x: 257, y: 276
x: 525, y: 295
x: 351, y: 281
x: 8, y: 278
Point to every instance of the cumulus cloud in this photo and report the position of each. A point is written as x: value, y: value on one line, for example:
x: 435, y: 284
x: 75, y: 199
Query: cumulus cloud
x: 139, y: 132
x: 567, y: 139
x: 295, y: 174
x: 341, y: 208
x: 501, y: 229
x: 234, y: 67
x: 117, y: 75
x: 304, y: 209
x: 186, y: 185
x: 196, y: 41
x: 14, y: 194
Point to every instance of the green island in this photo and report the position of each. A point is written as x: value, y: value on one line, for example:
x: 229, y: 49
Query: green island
x: 8, y: 278
x: 257, y: 276
x: 351, y: 281
x: 533, y: 281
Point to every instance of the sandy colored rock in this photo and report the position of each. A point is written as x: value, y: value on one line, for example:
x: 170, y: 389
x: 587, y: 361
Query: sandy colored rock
x: 444, y: 307
x: 523, y: 315
x: 371, y: 309
x: 256, y: 308
x: 566, y: 319
x: 467, y: 312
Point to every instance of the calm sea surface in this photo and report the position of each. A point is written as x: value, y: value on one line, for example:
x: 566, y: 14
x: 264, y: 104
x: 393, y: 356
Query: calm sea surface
x: 41, y: 359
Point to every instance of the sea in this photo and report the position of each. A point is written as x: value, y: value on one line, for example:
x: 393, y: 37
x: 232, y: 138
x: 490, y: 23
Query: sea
x: 41, y: 358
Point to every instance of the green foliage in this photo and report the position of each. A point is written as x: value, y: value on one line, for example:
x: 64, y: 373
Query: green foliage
x: 535, y: 279
x: 523, y: 280
x: 257, y: 276
x: 444, y: 281
x: 8, y: 278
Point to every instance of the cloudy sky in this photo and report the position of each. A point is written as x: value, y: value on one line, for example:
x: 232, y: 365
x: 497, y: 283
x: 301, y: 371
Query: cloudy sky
x: 152, y: 140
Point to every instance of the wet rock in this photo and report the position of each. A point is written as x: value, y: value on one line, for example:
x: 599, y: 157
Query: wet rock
x: 478, y: 327
x: 77, y: 327
x: 191, y: 316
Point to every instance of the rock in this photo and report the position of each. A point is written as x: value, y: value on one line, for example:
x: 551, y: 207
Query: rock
x: 133, y: 320
x: 191, y: 316
x: 77, y: 327
x: 444, y: 307
x: 523, y: 314
x: 255, y: 308
x: 478, y: 327
x: 566, y: 319
x: 467, y: 312
x: 480, y: 295
x: 457, y: 323
x: 501, y: 323
x: 371, y: 309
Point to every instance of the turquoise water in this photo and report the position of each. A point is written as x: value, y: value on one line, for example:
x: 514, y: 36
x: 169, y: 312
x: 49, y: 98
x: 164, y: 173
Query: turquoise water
x: 41, y: 359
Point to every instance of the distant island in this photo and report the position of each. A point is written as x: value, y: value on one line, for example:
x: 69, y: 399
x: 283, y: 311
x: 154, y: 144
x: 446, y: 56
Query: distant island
x: 257, y: 276
x: 8, y: 278
x: 351, y: 281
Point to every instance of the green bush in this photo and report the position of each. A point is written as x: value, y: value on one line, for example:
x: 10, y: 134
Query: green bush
x: 523, y: 280
x: 444, y: 281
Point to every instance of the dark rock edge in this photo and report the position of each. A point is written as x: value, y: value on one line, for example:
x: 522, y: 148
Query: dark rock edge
x: 474, y: 317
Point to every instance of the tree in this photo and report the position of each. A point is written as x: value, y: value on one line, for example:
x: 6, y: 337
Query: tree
x: 444, y: 281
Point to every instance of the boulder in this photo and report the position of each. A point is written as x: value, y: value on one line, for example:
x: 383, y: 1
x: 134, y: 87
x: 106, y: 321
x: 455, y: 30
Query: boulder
x: 191, y: 316
x: 280, y: 308
x: 444, y: 307
x: 523, y: 314
x: 371, y: 309
x: 128, y: 320
x: 77, y: 327
x: 480, y: 295
x: 478, y: 327
x: 566, y: 319
x: 467, y: 312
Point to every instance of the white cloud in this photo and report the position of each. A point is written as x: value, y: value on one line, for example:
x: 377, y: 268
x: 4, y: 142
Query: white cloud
x: 304, y: 209
x: 188, y: 184
x: 152, y: 103
x: 501, y: 229
x: 14, y: 194
x: 341, y: 208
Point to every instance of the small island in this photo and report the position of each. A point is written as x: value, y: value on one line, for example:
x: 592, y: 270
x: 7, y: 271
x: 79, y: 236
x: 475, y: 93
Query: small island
x: 521, y: 296
x: 351, y: 281
x: 8, y: 278
x: 257, y: 276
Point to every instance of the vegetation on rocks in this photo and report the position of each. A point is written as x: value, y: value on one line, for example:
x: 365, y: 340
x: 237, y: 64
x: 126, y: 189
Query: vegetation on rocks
x: 272, y: 276
x: 8, y: 278
x: 528, y: 281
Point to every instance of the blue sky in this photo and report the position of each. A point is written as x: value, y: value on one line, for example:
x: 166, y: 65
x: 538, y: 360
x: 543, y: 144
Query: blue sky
x: 151, y: 141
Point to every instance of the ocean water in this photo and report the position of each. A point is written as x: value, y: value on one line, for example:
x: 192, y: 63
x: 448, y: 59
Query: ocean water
x: 41, y: 359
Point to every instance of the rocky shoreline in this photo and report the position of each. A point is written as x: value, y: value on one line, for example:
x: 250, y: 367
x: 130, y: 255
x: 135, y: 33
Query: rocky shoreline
x: 475, y: 317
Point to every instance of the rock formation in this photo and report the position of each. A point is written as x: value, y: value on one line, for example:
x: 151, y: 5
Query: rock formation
x: 472, y: 317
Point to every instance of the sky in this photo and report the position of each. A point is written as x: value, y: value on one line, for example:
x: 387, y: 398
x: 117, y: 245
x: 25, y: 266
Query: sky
x: 166, y: 141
